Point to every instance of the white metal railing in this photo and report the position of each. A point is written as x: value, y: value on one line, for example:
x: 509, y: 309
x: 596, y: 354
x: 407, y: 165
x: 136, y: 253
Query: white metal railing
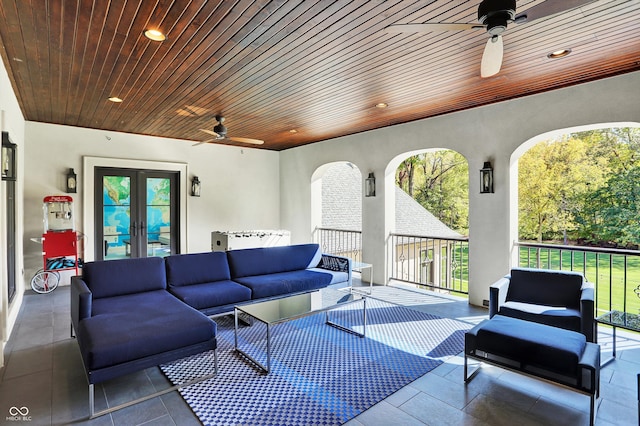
x: 437, y: 263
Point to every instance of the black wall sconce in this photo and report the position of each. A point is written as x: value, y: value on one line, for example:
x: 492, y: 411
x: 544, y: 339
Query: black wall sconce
x: 72, y: 182
x: 195, y: 187
x: 370, y: 186
x: 486, y: 178
x: 8, y: 158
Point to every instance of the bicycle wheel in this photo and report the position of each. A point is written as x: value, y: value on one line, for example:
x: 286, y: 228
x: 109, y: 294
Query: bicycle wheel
x: 57, y: 274
x: 45, y: 281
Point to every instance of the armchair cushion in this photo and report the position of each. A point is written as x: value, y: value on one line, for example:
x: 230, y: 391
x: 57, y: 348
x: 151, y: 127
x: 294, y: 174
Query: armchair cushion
x: 543, y: 287
x: 556, y: 316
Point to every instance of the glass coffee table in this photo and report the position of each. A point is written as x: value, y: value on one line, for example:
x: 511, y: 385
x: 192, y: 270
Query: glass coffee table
x: 616, y: 319
x: 273, y: 312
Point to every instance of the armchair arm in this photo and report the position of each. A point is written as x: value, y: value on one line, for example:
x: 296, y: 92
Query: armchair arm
x: 498, y: 294
x: 587, y: 311
x: 81, y: 298
x: 336, y: 263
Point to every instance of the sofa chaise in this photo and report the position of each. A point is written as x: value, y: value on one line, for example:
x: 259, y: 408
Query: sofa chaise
x: 125, y: 321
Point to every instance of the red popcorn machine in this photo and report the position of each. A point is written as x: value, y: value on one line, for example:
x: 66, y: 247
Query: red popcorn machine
x: 59, y: 243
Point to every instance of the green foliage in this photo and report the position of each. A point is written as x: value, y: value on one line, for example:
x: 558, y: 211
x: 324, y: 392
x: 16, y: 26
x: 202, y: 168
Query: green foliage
x: 611, y: 212
x: 583, y: 186
x: 439, y: 181
x: 553, y: 176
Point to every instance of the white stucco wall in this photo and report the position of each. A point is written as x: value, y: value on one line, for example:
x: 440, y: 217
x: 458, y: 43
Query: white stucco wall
x: 12, y: 121
x: 491, y: 133
x: 240, y: 186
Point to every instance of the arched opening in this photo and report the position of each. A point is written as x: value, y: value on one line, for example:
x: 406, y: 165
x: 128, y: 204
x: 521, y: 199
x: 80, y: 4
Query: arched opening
x: 336, y: 192
x: 428, y: 244
x: 577, y: 193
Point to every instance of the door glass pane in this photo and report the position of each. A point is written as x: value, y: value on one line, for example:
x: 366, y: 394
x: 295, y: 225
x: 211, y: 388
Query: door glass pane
x: 158, y: 217
x: 116, y: 211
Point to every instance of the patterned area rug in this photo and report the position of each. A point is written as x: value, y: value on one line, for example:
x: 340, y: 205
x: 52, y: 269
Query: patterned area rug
x: 319, y: 374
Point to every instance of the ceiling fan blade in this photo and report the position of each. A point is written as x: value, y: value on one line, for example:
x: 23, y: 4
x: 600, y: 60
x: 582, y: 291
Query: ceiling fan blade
x: 210, y: 132
x: 492, y: 57
x: 203, y: 142
x: 247, y: 140
x: 428, y: 27
x: 547, y: 8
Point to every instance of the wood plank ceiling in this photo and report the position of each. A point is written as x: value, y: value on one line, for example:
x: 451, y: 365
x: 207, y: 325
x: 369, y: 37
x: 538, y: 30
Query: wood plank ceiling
x: 316, y: 67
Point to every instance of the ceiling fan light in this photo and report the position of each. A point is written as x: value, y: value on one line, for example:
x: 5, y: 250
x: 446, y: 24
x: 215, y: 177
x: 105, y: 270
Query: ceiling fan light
x: 559, y: 54
x: 155, y: 35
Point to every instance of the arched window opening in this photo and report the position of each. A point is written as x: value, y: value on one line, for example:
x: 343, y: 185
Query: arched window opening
x: 339, y: 225
x: 578, y: 209
x: 429, y: 247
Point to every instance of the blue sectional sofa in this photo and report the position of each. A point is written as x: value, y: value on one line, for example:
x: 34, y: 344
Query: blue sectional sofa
x: 131, y: 314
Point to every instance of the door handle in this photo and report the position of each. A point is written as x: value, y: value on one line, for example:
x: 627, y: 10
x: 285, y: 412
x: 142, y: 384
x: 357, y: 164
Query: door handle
x: 142, y: 230
x: 134, y: 229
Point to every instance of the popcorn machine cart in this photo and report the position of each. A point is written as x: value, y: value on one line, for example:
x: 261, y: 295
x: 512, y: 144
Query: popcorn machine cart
x: 59, y: 243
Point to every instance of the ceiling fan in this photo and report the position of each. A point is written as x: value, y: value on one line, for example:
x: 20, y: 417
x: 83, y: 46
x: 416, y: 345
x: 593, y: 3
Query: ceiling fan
x: 219, y: 132
x: 494, y: 15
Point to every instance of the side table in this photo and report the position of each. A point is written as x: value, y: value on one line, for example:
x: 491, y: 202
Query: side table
x: 359, y: 266
x: 616, y: 319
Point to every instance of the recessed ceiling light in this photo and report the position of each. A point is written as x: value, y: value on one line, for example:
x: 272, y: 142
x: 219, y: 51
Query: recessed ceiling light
x: 382, y: 105
x: 115, y: 99
x: 293, y: 131
x: 155, y: 35
x: 559, y: 54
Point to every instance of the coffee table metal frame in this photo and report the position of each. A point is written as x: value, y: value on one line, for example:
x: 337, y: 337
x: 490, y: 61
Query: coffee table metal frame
x: 246, y: 310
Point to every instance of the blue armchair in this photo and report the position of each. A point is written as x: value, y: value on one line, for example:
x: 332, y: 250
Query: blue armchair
x: 561, y: 299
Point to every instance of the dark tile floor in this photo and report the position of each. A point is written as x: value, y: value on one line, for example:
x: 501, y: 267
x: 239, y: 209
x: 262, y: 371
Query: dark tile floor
x: 43, y: 372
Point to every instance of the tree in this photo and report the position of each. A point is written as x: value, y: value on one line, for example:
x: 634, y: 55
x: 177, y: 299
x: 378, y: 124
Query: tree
x: 444, y: 190
x: 584, y: 185
x: 612, y: 212
x: 553, y: 177
x: 405, y: 172
x: 439, y: 182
